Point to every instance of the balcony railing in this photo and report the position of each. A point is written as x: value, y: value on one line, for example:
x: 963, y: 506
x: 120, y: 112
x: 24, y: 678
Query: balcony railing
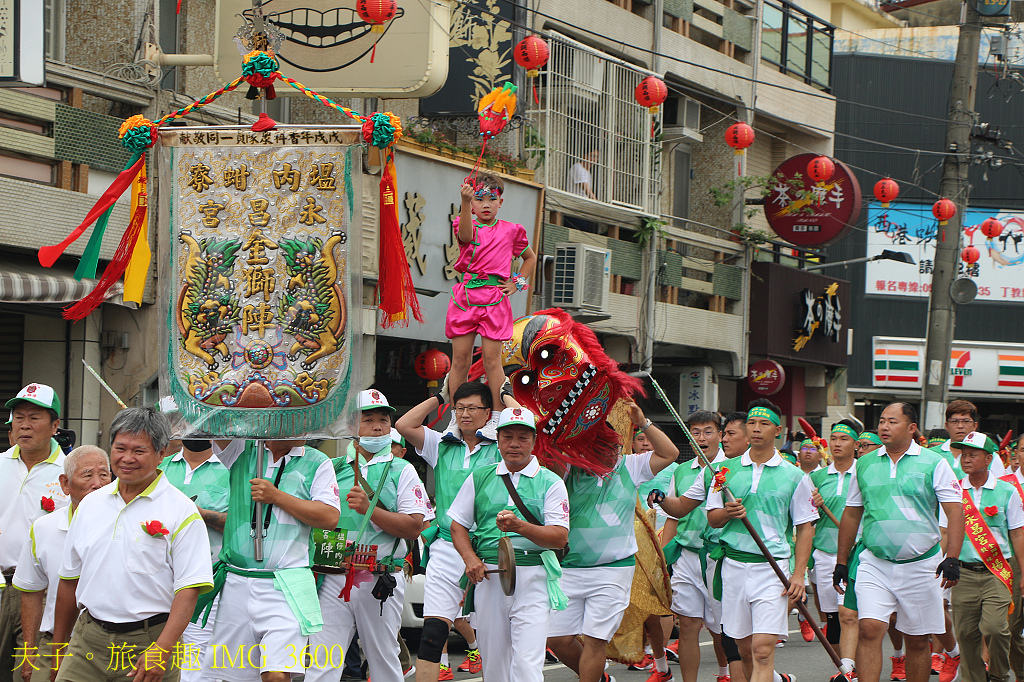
x: 797, y: 42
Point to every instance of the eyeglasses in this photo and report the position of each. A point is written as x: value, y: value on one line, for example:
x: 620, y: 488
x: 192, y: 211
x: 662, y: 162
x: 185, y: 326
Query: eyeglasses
x: 959, y: 422
x: 487, y: 193
x: 471, y: 410
x: 707, y: 433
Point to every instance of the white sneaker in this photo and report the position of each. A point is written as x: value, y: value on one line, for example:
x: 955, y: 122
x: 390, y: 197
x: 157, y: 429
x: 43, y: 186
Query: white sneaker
x: 490, y: 429
x: 452, y: 430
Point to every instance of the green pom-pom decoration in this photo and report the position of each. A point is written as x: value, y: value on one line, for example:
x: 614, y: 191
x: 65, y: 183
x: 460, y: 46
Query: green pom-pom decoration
x: 383, y: 131
x: 261, y: 64
x: 138, y: 139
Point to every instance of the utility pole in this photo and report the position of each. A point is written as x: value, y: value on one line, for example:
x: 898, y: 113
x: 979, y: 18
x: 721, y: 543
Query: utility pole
x: 954, y: 186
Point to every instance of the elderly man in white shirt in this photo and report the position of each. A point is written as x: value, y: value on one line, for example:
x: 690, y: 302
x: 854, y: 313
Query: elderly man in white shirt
x: 136, y: 559
x: 85, y: 469
x: 29, y: 488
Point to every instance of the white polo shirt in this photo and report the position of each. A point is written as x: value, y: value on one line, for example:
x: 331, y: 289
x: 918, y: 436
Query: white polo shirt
x: 21, y: 495
x: 124, y: 573
x: 39, y: 564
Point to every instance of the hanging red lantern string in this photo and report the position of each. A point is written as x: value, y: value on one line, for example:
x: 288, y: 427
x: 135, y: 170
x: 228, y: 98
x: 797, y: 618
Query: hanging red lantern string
x: 821, y: 169
x: 943, y: 210
x: 970, y: 254
x: 651, y: 92
x: 432, y: 365
x: 886, y: 190
x: 531, y: 53
x: 376, y: 13
x: 739, y: 136
x: 991, y: 228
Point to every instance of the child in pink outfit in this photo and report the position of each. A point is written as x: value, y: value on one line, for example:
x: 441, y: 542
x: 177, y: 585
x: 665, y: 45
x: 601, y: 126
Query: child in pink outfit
x: 480, y: 305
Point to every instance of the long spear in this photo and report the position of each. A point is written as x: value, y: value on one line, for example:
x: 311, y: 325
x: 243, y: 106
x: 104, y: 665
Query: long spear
x: 729, y: 497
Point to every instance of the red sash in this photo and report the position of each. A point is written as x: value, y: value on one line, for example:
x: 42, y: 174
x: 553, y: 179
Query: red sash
x: 986, y: 545
x: 1012, y: 478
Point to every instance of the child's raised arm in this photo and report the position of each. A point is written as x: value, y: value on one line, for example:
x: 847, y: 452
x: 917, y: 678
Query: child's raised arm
x: 466, y: 215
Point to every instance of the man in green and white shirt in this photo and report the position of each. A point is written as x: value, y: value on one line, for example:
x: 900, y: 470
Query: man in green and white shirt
x: 980, y: 600
x: 397, y: 517
x: 271, y: 603
x: 598, y: 571
x: 453, y: 456
x: 774, y: 497
x: 831, y: 486
x: 512, y: 631
x: 962, y: 419
x: 897, y: 493
x: 197, y: 472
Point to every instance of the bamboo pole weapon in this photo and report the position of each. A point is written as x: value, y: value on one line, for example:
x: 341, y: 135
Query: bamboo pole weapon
x: 729, y: 497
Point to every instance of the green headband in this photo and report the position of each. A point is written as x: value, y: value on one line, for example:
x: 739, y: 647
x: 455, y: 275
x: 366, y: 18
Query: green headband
x: 807, y: 443
x: 843, y: 428
x: 936, y: 441
x: 873, y: 437
x: 764, y: 413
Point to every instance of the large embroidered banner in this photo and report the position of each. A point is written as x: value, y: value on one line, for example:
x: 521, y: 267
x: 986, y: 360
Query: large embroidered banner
x: 260, y: 317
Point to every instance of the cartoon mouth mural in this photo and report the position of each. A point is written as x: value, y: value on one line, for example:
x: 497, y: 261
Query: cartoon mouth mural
x: 321, y: 40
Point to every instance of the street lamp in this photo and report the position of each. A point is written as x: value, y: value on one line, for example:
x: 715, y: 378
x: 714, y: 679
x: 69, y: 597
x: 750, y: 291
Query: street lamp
x: 898, y: 256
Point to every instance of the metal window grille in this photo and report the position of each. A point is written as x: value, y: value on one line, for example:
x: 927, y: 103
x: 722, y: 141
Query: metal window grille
x: 798, y: 42
x: 588, y: 107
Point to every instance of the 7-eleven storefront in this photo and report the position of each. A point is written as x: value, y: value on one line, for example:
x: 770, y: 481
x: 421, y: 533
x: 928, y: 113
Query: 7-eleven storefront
x: 991, y: 375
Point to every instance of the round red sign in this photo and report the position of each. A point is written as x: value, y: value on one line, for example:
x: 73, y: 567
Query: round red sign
x: 766, y: 377
x: 808, y: 213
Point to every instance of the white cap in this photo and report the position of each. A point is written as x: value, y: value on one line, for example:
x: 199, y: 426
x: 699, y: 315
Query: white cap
x: 372, y: 399
x: 517, y: 415
x: 977, y: 440
x: 36, y: 394
x: 396, y: 437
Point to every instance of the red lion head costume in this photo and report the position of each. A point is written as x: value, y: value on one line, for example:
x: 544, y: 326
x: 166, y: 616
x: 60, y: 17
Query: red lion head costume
x: 560, y: 372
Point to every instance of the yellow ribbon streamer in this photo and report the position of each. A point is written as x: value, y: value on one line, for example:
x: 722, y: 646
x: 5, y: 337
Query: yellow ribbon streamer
x: 138, y: 266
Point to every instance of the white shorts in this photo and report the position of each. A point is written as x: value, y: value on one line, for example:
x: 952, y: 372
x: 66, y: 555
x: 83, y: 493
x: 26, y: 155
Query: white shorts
x: 911, y: 590
x: 690, y: 594
x: 512, y: 632
x: 824, y: 567
x: 442, y: 596
x: 195, y: 640
x: 598, y: 597
x: 753, y: 600
x: 255, y: 616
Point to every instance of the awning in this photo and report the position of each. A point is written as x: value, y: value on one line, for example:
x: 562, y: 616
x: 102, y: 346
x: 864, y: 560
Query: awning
x: 29, y: 283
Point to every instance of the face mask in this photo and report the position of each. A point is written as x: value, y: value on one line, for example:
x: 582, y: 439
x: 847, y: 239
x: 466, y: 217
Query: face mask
x: 375, y: 444
x: 196, y: 445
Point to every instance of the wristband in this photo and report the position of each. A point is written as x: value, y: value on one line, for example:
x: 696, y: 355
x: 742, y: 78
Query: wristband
x: 519, y: 281
x: 646, y: 426
x: 440, y: 400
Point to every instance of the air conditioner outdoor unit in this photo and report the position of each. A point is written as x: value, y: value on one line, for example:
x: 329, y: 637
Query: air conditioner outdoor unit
x: 682, y: 117
x: 582, y: 276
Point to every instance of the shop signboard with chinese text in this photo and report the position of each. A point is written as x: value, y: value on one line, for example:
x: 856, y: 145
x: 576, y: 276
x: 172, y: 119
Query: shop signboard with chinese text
x: 766, y: 377
x: 974, y: 366
x: 912, y: 229
x: 808, y: 213
x: 258, y: 287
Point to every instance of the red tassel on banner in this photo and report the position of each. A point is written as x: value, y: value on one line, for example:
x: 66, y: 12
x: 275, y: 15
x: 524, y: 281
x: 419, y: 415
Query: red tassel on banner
x: 395, y: 292
x: 115, y: 268
x: 48, y: 255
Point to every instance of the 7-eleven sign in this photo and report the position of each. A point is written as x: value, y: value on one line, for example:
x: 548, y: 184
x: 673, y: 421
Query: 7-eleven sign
x: 974, y: 366
x: 958, y: 368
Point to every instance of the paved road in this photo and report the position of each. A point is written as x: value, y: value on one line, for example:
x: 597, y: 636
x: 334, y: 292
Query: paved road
x: 806, y: 660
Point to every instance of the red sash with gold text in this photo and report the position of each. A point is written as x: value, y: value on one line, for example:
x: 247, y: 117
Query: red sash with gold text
x: 986, y: 545
x: 1012, y: 478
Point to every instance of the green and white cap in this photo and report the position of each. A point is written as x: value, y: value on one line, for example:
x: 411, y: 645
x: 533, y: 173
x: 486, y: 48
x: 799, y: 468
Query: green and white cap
x: 372, y: 399
x: 517, y: 415
x: 37, y: 394
x: 396, y: 437
x: 977, y: 440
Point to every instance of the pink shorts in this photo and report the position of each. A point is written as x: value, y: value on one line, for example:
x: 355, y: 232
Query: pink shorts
x: 484, y: 310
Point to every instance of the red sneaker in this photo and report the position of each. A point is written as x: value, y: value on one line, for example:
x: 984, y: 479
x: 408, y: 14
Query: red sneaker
x: 473, y: 662
x: 936, y: 664
x: 950, y: 665
x: 899, y: 668
x: 723, y: 678
x: 646, y: 663
x: 660, y: 677
x: 445, y: 673
x: 806, y: 631
x: 672, y: 651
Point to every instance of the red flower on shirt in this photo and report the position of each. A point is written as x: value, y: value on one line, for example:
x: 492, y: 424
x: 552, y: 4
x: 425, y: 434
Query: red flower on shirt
x: 720, y: 479
x: 155, y: 528
x: 991, y: 511
x: 47, y: 504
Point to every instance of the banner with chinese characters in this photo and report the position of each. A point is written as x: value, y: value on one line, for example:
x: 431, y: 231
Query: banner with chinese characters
x: 911, y: 228
x: 261, y: 326
x: 974, y: 366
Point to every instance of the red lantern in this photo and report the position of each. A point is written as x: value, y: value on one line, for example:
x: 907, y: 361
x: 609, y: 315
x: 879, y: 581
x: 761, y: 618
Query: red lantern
x: 886, y: 190
x: 376, y: 12
x: 970, y: 254
x: 432, y: 365
x: 531, y: 53
x: 651, y: 93
x: 943, y: 210
x: 821, y: 168
x: 739, y: 136
x: 991, y: 228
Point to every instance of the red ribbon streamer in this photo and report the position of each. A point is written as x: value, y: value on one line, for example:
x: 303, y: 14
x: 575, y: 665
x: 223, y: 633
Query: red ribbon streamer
x: 395, y: 292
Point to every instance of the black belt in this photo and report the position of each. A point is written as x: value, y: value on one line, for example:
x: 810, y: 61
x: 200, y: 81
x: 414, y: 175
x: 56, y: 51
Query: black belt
x: 976, y: 566
x: 122, y: 628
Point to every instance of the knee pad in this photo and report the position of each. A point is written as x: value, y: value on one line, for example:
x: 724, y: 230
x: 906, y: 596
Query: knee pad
x: 432, y: 639
x: 834, y: 628
x: 732, y: 652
